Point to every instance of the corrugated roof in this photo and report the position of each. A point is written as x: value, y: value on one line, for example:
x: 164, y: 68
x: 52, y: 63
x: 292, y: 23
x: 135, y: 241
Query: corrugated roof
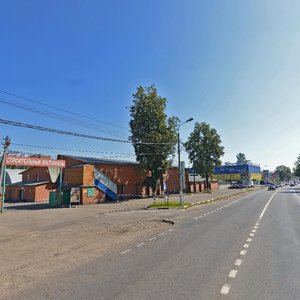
x: 95, y: 160
x: 29, y: 183
x: 13, y: 175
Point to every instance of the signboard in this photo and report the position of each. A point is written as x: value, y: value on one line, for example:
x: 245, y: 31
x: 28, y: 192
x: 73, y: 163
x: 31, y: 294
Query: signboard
x: 34, y: 162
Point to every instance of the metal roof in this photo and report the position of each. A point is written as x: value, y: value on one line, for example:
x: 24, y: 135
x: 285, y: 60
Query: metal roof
x: 13, y: 175
x: 95, y: 160
x: 29, y: 183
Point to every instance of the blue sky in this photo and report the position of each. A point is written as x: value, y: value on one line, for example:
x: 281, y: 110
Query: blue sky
x: 233, y: 64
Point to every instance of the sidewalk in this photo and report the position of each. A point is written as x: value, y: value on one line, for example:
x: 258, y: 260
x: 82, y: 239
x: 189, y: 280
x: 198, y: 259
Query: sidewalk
x: 136, y: 204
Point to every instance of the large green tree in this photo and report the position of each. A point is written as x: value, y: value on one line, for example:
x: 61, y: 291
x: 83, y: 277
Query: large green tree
x: 241, y: 158
x: 153, y: 133
x: 204, y: 149
x: 297, y: 167
x: 284, y: 173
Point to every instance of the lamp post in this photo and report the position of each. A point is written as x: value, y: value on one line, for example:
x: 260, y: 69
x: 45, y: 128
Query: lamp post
x: 181, y: 200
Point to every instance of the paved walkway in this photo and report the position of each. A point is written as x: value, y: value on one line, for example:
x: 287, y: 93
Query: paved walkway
x: 132, y: 204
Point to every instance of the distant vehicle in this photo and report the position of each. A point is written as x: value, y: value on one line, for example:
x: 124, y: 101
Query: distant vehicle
x: 271, y: 187
x: 292, y: 184
x: 236, y: 186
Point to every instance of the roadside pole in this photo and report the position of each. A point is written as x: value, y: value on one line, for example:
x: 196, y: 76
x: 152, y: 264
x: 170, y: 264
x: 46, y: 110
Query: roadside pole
x: 3, y: 172
x: 60, y: 184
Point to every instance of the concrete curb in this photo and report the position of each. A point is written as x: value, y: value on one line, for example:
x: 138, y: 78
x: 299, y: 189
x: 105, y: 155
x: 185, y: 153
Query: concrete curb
x: 206, y: 201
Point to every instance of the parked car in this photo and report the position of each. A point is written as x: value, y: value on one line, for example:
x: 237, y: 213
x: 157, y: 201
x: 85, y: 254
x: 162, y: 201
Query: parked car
x: 236, y: 186
x: 271, y: 187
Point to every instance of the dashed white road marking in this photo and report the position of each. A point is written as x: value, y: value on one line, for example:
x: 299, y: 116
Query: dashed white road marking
x: 154, y: 238
x: 243, y: 252
x: 249, y: 240
x: 170, y: 229
x: 141, y: 244
x: 161, y: 234
x: 238, y: 262
x: 225, y: 289
x: 232, y: 273
x: 246, y: 245
x: 253, y: 230
x: 125, y: 251
x: 251, y: 234
x: 255, y: 227
x: 196, y: 218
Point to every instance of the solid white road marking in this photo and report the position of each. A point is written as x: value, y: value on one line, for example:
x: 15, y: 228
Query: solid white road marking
x: 225, y: 289
x: 141, y: 244
x: 246, y: 245
x: 249, y: 240
x: 243, y: 252
x: 263, y: 211
x: 232, y: 273
x: 238, y: 262
x: 125, y: 251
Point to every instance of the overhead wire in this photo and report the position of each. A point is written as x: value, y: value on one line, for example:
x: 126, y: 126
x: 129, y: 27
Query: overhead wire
x: 58, y: 117
x: 70, y: 133
x: 59, y: 109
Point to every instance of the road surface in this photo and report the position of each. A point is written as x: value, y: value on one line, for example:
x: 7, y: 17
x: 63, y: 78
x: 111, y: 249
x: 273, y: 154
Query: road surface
x: 245, y: 248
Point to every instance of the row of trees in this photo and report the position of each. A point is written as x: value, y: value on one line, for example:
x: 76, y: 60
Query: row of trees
x: 154, y: 138
x: 297, y: 167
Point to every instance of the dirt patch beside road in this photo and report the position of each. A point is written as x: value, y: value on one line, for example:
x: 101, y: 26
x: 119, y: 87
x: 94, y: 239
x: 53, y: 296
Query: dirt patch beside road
x: 32, y: 258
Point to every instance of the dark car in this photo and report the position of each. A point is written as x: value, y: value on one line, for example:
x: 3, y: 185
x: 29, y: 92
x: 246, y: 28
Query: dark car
x: 271, y: 187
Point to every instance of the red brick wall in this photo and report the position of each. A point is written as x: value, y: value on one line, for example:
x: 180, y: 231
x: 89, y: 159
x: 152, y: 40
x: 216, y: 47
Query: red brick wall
x: 42, y: 192
x: 127, y: 175
x: 99, y: 196
x: 36, y: 174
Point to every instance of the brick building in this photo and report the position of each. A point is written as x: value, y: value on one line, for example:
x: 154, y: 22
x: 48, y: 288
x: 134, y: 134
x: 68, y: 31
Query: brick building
x: 102, y: 179
x: 35, y: 186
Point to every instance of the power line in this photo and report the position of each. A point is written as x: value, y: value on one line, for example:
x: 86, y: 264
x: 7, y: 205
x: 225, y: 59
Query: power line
x: 58, y: 117
x: 123, y: 154
x: 63, y: 132
x: 59, y: 109
x: 40, y: 128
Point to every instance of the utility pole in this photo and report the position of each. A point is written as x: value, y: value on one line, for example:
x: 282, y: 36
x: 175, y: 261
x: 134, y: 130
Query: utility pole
x: 3, y: 171
x: 181, y: 172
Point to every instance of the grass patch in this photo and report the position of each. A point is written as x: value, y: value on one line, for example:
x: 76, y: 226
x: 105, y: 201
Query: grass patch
x: 167, y: 205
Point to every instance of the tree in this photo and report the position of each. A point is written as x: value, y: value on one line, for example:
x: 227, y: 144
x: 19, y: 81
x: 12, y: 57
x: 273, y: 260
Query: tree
x: 241, y: 158
x: 297, y: 167
x: 153, y: 134
x: 284, y: 173
x: 204, y: 149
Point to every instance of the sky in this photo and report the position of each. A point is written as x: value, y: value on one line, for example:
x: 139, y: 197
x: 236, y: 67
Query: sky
x: 232, y: 64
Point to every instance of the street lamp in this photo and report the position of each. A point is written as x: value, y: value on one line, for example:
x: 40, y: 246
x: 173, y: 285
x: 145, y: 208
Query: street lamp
x: 179, y: 168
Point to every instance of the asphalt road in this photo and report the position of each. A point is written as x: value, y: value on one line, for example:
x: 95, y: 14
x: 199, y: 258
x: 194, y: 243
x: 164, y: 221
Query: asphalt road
x: 246, y: 248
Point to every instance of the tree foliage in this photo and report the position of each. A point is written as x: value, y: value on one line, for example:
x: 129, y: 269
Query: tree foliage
x: 204, y: 149
x: 153, y: 133
x: 297, y: 167
x: 284, y: 173
x: 241, y: 158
